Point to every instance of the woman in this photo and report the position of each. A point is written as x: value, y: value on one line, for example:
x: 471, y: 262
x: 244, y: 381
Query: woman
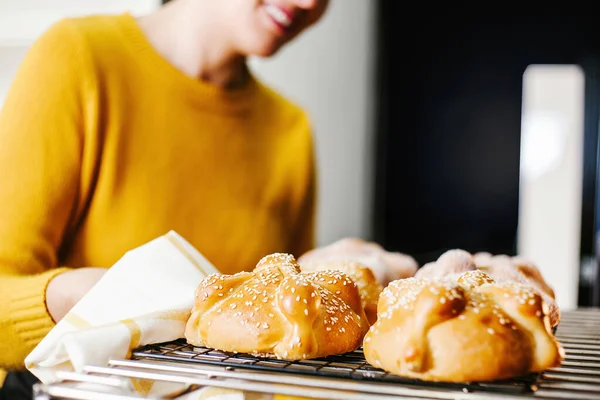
x: 118, y: 129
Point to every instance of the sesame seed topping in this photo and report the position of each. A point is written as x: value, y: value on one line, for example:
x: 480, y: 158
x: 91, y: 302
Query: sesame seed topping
x: 277, y: 279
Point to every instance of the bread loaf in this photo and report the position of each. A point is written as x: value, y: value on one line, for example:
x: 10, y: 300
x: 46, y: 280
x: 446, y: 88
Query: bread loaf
x: 502, y: 268
x: 278, y: 311
x: 461, y: 327
x: 368, y: 287
x: 386, y: 266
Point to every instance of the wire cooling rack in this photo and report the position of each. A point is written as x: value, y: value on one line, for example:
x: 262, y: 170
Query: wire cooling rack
x: 351, y: 366
x: 177, y: 367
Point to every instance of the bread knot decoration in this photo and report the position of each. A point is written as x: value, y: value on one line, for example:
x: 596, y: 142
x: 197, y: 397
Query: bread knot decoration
x: 368, y: 286
x: 386, y: 266
x: 501, y: 267
x: 464, y: 327
x: 278, y: 311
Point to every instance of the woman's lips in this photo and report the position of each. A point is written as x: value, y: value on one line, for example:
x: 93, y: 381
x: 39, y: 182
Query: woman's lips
x: 279, y: 16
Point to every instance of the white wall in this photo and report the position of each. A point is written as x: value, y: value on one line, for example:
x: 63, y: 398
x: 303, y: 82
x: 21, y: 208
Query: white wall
x: 22, y: 21
x: 10, y: 58
x: 551, y: 175
x: 330, y: 71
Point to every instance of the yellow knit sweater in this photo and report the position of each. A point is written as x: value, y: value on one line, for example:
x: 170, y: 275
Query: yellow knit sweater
x: 104, y: 146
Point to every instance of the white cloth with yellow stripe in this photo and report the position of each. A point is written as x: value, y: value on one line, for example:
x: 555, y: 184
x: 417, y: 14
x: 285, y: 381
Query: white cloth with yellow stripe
x: 146, y: 297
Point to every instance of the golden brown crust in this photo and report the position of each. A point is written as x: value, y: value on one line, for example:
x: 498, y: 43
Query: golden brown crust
x: 463, y: 327
x: 386, y: 266
x: 278, y: 311
x: 362, y: 275
x: 501, y: 267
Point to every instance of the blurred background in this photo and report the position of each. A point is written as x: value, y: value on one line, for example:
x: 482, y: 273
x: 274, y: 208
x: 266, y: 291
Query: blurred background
x: 440, y: 133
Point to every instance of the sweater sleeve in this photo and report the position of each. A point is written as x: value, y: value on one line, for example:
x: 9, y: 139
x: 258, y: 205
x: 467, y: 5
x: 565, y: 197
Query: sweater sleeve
x: 40, y: 151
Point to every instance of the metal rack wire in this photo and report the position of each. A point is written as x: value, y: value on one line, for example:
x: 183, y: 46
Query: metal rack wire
x: 351, y: 366
x: 348, y: 376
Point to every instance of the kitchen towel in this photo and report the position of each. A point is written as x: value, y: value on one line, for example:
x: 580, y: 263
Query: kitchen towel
x: 146, y: 297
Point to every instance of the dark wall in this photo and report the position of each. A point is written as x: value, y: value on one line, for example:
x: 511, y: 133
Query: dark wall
x: 449, y: 125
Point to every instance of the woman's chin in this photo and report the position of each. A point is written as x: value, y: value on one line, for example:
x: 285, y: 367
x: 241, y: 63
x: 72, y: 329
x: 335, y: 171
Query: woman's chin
x: 267, y: 49
x: 266, y: 52
x: 263, y: 48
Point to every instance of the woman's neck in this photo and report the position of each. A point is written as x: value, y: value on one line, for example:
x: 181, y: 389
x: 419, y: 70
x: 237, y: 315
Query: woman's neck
x: 181, y: 32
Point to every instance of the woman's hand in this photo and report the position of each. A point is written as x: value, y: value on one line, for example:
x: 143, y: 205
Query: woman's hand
x: 66, y: 289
